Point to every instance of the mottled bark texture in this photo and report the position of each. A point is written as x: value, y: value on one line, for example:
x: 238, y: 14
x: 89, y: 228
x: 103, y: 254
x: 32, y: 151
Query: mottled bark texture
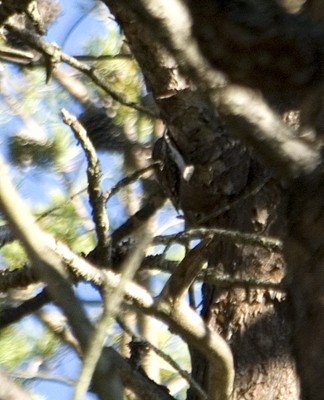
x: 304, y: 253
x: 267, y: 47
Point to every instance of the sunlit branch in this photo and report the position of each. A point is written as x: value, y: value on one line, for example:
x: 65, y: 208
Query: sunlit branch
x: 39, y: 375
x: 50, y: 268
x: 185, y: 273
x: 255, y: 123
x: 181, y: 318
x: 55, y: 55
x: 49, y: 256
x: 96, y: 197
x: 12, y: 54
x: 211, y: 275
x: 26, y: 59
x: 159, y: 262
x: 178, y: 316
x: 112, y: 301
x: 46, y: 263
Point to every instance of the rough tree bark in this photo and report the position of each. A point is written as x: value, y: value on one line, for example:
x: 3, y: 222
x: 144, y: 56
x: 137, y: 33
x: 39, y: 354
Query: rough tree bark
x: 228, y: 177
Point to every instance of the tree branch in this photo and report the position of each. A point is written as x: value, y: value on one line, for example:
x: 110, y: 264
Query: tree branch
x: 139, y: 218
x: 179, y: 317
x: 50, y: 268
x: 256, y: 124
x: 11, y: 315
x: 246, y: 113
x: 112, y: 301
x: 54, y: 53
x: 234, y: 236
x: 187, y: 270
x: 165, y: 357
x: 17, y: 278
x: 96, y: 197
x: 46, y: 263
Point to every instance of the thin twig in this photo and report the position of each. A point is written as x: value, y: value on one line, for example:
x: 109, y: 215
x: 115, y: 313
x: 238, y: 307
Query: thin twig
x: 112, y: 301
x: 128, y: 180
x: 51, y: 268
x: 26, y: 375
x: 178, y: 316
x: 59, y: 207
x: 96, y: 196
x: 248, y: 192
x: 15, y: 54
x: 134, y: 222
x: 56, y: 55
x: 165, y: 357
x: 104, y: 57
x: 235, y: 236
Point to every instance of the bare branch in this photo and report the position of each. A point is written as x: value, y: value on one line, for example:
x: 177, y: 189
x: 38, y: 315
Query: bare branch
x: 179, y: 317
x: 56, y: 55
x: 12, y: 54
x: 40, y: 375
x: 11, y: 315
x: 255, y: 123
x: 17, y: 278
x: 46, y: 263
x: 182, y: 319
x: 139, y: 218
x: 235, y: 236
x: 103, y: 57
x: 165, y: 357
x: 129, y: 179
x: 56, y: 323
x: 182, y: 278
x: 50, y: 267
x: 112, y: 302
x: 96, y: 197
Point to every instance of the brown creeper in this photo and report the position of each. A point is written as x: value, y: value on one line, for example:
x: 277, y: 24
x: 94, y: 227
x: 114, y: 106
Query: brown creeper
x: 173, y: 169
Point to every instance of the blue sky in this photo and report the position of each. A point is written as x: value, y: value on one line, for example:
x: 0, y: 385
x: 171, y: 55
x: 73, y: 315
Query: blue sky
x: 31, y: 181
x: 71, y: 40
x: 71, y: 13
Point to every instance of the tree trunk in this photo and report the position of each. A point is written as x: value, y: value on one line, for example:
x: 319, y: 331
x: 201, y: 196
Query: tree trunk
x: 304, y: 253
x: 253, y: 318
